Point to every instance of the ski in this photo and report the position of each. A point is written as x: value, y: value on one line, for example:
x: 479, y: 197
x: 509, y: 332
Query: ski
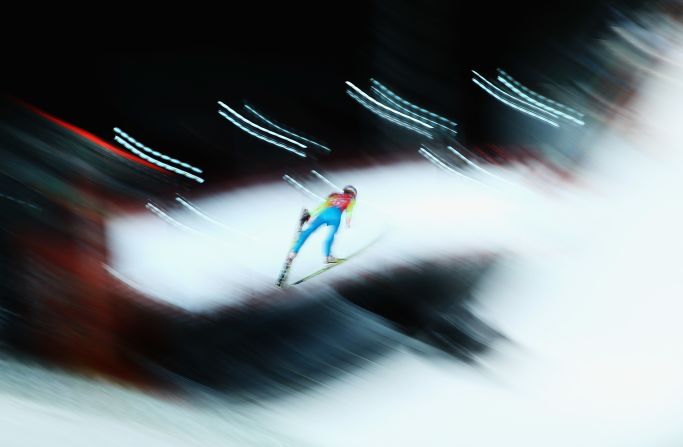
x: 339, y: 262
x: 322, y: 270
x: 303, y: 218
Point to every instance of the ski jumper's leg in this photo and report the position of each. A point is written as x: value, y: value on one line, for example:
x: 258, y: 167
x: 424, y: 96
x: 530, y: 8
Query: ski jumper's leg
x: 307, y: 232
x: 333, y: 220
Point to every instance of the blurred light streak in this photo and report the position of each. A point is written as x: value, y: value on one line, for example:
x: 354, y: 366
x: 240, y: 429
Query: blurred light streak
x: 420, y: 110
x: 538, y: 103
x: 141, y: 154
x: 320, y: 176
x: 19, y: 201
x: 387, y: 98
x: 411, y: 105
x: 301, y: 187
x: 127, y: 281
x: 371, y: 99
x: 605, y: 103
x: 638, y: 43
x: 477, y: 167
x: 263, y: 118
x: 275, y: 134
x: 484, y: 171
x: 513, y: 97
x: 388, y: 117
x: 168, y: 219
x: 205, y: 216
x: 155, y: 153
x: 91, y: 137
x: 629, y: 58
x: 440, y: 164
x: 537, y: 95
x: 514, y: 106
x: 428, y: 155
x: 259, y: 136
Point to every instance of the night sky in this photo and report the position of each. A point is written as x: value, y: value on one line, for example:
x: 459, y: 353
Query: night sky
x: 158, y: 74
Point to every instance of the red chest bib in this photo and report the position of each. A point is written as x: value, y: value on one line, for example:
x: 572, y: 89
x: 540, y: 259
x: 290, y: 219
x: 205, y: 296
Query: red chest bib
x: 340, y: 201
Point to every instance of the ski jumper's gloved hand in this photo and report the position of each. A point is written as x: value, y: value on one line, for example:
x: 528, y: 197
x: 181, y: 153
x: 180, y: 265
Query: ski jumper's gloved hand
x: 349, y: 211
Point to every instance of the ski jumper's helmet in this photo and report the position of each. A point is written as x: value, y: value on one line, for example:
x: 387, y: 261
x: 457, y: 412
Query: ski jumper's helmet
x: 348, y: 189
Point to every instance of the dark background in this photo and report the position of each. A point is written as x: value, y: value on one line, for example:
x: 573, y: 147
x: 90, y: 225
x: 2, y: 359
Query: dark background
x: 158, y: 73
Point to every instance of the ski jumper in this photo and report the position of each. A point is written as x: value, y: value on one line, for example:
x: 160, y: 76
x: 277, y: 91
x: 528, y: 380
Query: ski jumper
x: 328, y: 213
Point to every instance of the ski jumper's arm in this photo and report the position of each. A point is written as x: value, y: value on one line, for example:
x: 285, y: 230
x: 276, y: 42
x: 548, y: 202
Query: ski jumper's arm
x: 349, y: 211
x: 321, y: 208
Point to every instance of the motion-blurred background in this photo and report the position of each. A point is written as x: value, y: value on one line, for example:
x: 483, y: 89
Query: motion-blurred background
x: 512, y: 260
